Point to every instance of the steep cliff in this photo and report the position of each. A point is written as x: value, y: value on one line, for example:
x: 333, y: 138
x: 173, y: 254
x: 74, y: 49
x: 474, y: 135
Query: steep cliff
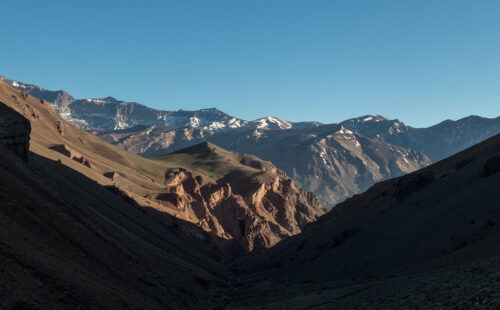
x: 238, y: 196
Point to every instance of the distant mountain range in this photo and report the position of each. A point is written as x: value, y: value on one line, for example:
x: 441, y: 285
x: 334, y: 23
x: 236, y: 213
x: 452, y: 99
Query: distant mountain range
x: 105, y: 114
x: 335, y: 161
x: 86, y: 224
x: 437, y: 142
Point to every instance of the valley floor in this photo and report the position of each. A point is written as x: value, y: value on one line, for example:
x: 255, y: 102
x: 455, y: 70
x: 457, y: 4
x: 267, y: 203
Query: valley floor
x: 471, y: 286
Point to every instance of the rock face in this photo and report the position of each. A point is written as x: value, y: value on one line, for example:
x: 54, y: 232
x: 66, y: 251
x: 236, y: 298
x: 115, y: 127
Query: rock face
x: 14, y: 131
x: 254, y: 204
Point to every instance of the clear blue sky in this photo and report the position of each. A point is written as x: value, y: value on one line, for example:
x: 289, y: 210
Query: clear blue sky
x: 419, y: 61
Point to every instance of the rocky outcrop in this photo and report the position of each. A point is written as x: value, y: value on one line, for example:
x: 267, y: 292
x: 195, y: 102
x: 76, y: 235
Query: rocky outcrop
x: 255, y: 215
x: 14, y: 131
x: 68, y: 152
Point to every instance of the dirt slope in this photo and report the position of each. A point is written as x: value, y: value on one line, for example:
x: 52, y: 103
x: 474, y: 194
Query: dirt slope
x: 67, y: 242
x: 441, y: 221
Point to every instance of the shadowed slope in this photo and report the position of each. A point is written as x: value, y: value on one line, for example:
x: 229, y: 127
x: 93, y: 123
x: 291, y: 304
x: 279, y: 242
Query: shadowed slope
x: 68, y: 242
x: 437, y: 220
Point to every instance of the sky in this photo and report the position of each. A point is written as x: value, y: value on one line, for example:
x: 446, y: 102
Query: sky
x: 418, y: 61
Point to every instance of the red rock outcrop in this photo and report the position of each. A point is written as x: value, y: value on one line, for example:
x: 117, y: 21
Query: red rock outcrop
x: 256, y: 215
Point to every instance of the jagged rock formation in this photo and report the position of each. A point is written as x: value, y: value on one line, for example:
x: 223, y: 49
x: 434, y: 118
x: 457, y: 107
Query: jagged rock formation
x: 251, y: 201
x: 14, y: 131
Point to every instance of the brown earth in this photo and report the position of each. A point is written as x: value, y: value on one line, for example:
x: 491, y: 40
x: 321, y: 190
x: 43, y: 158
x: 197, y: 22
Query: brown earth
x: 248, y: 200
x: 66, y: 242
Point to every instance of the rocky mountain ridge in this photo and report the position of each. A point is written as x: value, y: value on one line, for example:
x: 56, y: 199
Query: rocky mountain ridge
x: 202, y: 185
x: 329, y: 160
x: 437, y: 142
x: 105, y: 114
x: 87, y: 224
x: 331, y: 177
x: 428, y: 239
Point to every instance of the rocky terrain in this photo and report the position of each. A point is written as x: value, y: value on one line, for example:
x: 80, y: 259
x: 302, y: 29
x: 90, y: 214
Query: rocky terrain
x: 68, y: 242
x: 310, y: 155
x: 236, y: 196
x: 437, y: 142
x: 331, y: 177
x: 329, y: 160
x: 427, y: 240
x: 105, y: 114
x: 335, y: 165
x: 247, y: 201
x: 86, y: 224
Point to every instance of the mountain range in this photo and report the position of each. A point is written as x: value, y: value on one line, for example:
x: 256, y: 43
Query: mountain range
x: 426, y: 240
x: 335, y: 161
x: 106, y: 114
x: 235, y: 197
x: 86, y: 224
x: 437, y: 142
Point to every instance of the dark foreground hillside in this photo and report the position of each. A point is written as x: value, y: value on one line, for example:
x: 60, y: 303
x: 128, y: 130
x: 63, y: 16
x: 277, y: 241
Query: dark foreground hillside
x: 428, y: 240
x: 67, y: 242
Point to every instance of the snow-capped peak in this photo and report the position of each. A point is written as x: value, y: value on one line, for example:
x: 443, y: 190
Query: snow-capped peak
x: 345, y: 131
x: 272, y: 123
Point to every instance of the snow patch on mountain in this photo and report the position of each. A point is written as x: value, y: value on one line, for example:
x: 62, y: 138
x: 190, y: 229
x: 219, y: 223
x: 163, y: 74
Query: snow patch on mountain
x: 271, y: 123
